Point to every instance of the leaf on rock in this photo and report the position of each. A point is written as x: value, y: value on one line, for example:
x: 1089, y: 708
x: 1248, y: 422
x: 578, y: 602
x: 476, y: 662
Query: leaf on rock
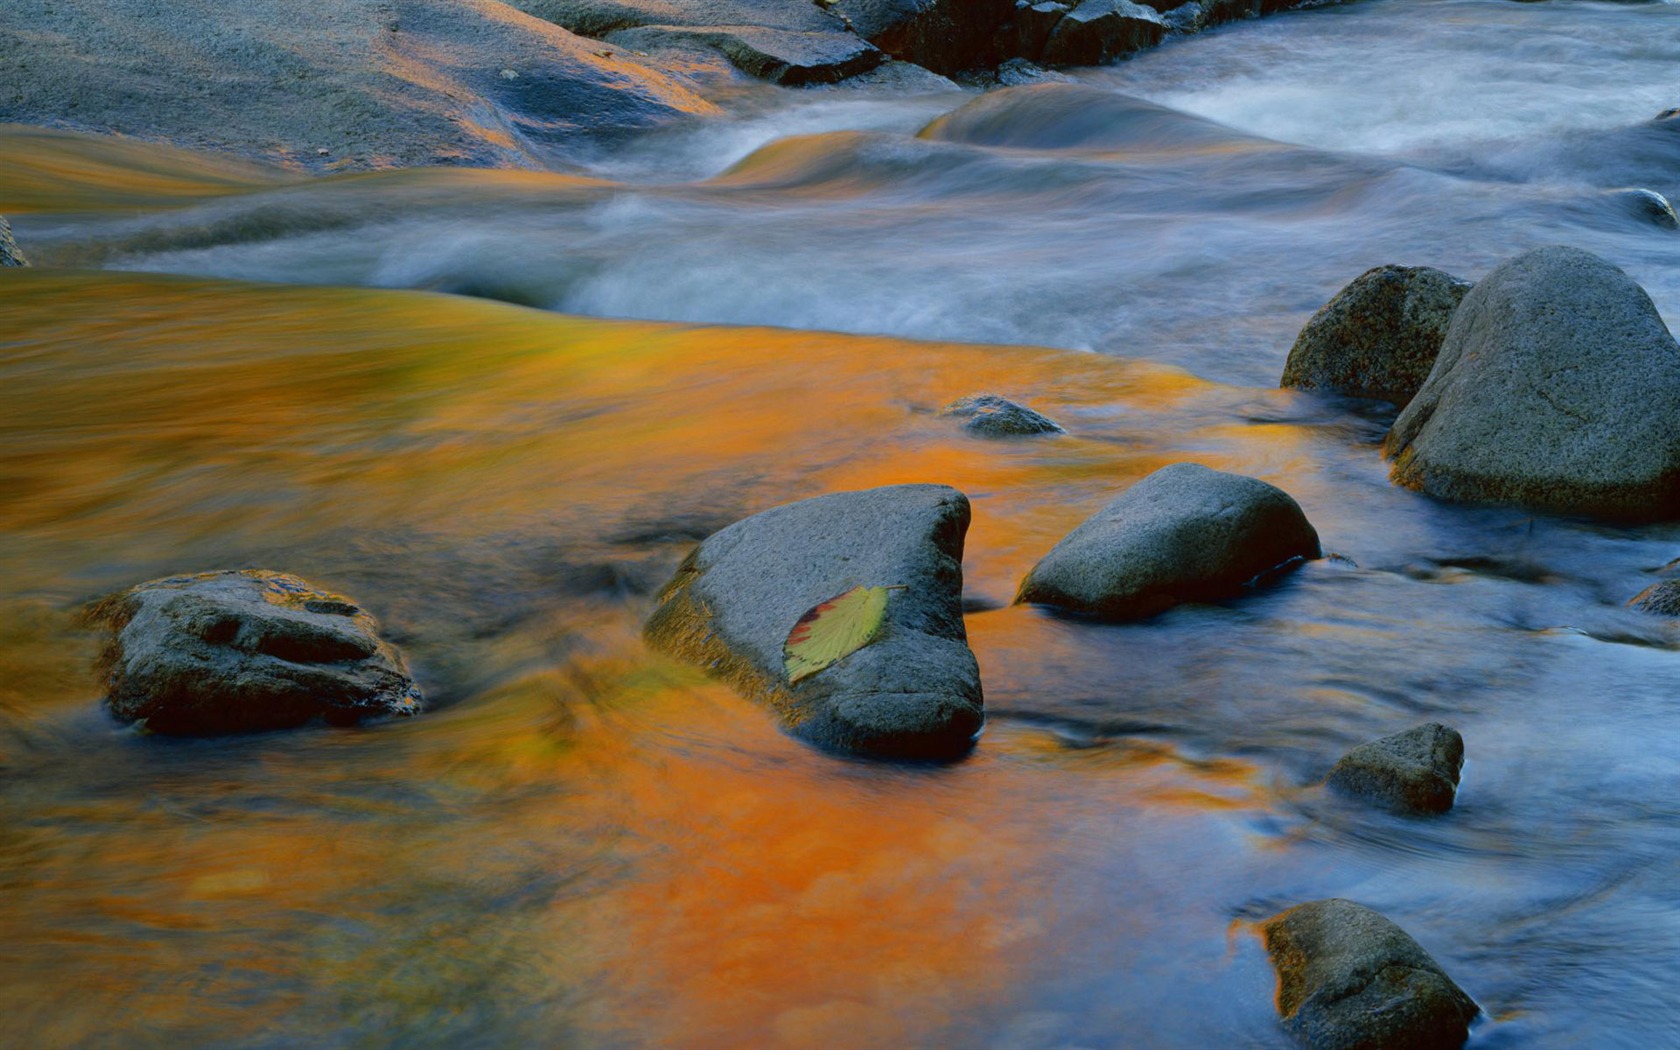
x: 834, y: 630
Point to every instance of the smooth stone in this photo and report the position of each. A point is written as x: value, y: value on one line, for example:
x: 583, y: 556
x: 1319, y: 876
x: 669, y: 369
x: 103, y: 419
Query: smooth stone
x: 781, y: 56
x: 1379, y: 336
x: 1184, y: 533
x: 244, y: 651
x: 991, y: 416
x: 1414, y: 772
x: 1659, y: 599
x: 1098, y: 31
x: 1349, y: 979
x: 1647, y: 206
x: 1557, y: 388
x: 10, y: 253
x: 913, y: 692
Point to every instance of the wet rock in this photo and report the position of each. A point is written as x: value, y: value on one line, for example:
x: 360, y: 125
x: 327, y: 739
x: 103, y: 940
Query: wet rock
x: 1018, y: 71
x: 946, y: 36
x: 1557, y: 388
x: 242, y: 651
x: 1184, y: 533
x: 991, y: 416
x: 1100, y: 30
x: 1034, y: 22
x: 781, y: 56
x: 1648, y: 206
x: 913, y: 692
x: 1349, y: 979
x: 1415, y: 772
x: 1379, y: 336
x: 10, y: 253
x: 1659, y: 599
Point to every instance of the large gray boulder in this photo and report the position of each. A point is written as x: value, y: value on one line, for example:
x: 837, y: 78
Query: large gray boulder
x: 1557, y: 388
x: 10, y: 253
x: 1415, y: 772
x: 242, y: 651
x: 912, y: 692
x: 1184, y: 533
x: 1379, y: 336
x: 1349, y: 979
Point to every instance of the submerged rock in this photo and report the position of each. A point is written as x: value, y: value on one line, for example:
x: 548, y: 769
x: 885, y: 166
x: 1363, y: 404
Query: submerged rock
x: 1659, y: 599
x: 1557, y: 388
x: 1184, y: 533
x: 247, y: 650
x: 991, y: 416
x: 782, y: 56
x: 946, y: 36
x: 1647, y: 205
x: 1349, y: 979
x: 1414, y: 772
x: 10, y: 253
x: 1379, y: 336
x: 912, y: 692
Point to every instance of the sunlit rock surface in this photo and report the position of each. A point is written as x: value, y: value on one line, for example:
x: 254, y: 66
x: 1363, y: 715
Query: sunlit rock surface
x: 236, y: 652
x: 1557, y: 388
x: 1184, y: 533
x: 1349, y: 979
x: 913, y: 692
x: 355, y: 84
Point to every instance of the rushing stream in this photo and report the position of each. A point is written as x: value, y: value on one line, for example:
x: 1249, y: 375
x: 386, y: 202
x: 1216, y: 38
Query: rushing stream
x: 586, y: 844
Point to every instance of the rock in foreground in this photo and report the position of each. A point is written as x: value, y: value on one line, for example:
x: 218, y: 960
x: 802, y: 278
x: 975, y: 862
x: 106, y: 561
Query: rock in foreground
x: 10, y: 253
x: 1184, y: 533
x: 1348, y: 979
x: 1557, y: 388
x: 991, y: 416
x: 1379, y: 336
x: 1415, y: 772
x: 912, y: 692
x: 242, y: 651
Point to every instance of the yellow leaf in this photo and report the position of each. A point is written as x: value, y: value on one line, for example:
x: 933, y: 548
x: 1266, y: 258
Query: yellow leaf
x: 834, y: 630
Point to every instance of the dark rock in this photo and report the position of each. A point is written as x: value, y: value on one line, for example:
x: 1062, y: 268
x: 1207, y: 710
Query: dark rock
x: 781, y: 56
x: 1379, y: 336
x: 1018, y: 71
x: 1558, y: 388
x: 1414, y: 772
x: 1184, y: 533
x: 1349, y: 979
x: 946, y: 36
x: 1034, y: 22
x: 913, y: 692
x: 10, y: 253
x: 1659, y: 599
x: 1647, y: 206
x: 1100, y: 30
x: 236, y: 652
x: 991, y: 416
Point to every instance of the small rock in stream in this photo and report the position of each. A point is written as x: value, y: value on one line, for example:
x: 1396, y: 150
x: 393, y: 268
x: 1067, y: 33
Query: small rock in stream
x: 991, y: 416
x: 10, y: 253
x: 1349, y: 979
x: 912, y: 692
x: 1659, y: 599
x: 244, y: 651
x: 1184, y: 533
x: 1415, y: 772
x: 1647, y: 205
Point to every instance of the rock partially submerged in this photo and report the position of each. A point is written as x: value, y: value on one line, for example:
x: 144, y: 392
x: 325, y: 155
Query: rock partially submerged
x: 1184, y: 533
x: 1349, y: 979
x: 991, y: 416
x: 247, y: 650
x: 1415, y: 772
x: 1557, y: 388
x: 10, y: 253
x: 1659, y: 599
x: 1647, y: 206
x: 1379, y: 336
x: 912, y: 692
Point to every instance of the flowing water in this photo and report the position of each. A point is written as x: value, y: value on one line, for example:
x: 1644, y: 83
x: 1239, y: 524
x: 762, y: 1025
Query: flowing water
x: 586, y: 844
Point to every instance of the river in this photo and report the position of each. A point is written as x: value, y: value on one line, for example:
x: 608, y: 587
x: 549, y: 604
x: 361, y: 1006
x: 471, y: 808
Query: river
x: 582, y: 843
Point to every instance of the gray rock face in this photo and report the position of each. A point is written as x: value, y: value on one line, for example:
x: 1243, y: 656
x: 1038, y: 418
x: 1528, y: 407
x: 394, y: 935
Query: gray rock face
x: 1379, y: 336
x: 1415, y: 772
x: 242, y: 651
x: 782, y: 56
x: 1184, y: 533
x: 1098, y: 31
x: 991, y: 416
x: 10, y: 253
x: 912, y: 692
x: 1557, y: 388
x: 1659, y: 599
x: 1349, y: 979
